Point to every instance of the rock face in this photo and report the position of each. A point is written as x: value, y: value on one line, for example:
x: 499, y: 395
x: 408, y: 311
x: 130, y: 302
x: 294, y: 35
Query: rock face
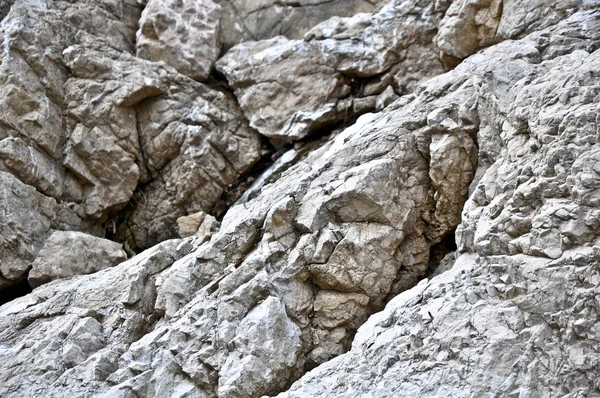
x: 184, y: 34
x: 244, y: 20
x: 342, y: 67
x: 66, y: 254
x: 345, y: 67
x: 299, y: 266
x: 74, y: 126
x: 28, y: 218
x: 500, y: 152
x: 517, y: 315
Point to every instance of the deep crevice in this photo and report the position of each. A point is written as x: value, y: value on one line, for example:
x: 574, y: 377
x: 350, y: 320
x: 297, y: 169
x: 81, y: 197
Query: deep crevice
x: 5, y: 8
x: 17, y: 290
x: 438, y: 252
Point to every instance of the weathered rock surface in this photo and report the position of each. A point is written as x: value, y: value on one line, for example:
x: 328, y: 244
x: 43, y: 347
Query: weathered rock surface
x: 199, y: 224
x: 185, y: 141
x: 517, y: 314
x: 244, y: 20
x: 195, y: 142
x: 184, y: 34
x: 299, y: 266
x: 290, y: 88
x: 68, y: 253
x: 326, y: 238
x: 345, y: 67
x: 27, y: 219
x: 74, y: 126
x: 469, y: 25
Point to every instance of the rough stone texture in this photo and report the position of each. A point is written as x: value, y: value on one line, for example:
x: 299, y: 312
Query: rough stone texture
x: 517, y: 315
x: 328, y: 236
x: 299, y: 266
x: 35, y: 91
x: 290, y: 88
x: 67, y: 253
x: 344, y: 67
x: 83, y: 315
x: 198, y: 224
x: 195, y: 142
x: 184, y: 34
x: 73, y: 125
x: 188, y: 225
x: 188, y: 141
x: 27, y: 218
x: 469, y: 25
x: 244, y: 20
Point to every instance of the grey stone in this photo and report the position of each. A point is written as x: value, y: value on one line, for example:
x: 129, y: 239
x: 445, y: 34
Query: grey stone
x: 500, y: 150
x: 290, y: 88
x: 184, y: 34
x: 244, y: 20
x: 69, y: 253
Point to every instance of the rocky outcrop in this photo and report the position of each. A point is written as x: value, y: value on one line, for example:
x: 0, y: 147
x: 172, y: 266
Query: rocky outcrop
x: 244, y: 20
x: 299, y: 266
x: 74, y: 125
x: 66, y: 254
x: 184, y: 34
x: 186, y: 141
x: 469, y: 25
x: 516, y: 315
x: 345, y: 67
x: 341, y: 69
x: 500, y: 151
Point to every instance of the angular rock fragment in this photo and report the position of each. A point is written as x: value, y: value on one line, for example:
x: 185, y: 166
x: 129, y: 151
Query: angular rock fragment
x: 198, y: 224
x: 184, y: 34
x: 68, y: 253
x: 244, y: 20
x: 290, y: 88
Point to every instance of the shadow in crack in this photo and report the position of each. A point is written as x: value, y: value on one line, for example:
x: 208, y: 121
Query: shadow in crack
x: 15, y: 291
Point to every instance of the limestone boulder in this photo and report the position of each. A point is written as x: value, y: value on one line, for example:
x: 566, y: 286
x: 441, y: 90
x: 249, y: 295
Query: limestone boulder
x: 339, y: 70
x: 183, y: 34
x: 28, y: 218
x: 67, y: 253
x: 195, y: 143
x: 246, y: 20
